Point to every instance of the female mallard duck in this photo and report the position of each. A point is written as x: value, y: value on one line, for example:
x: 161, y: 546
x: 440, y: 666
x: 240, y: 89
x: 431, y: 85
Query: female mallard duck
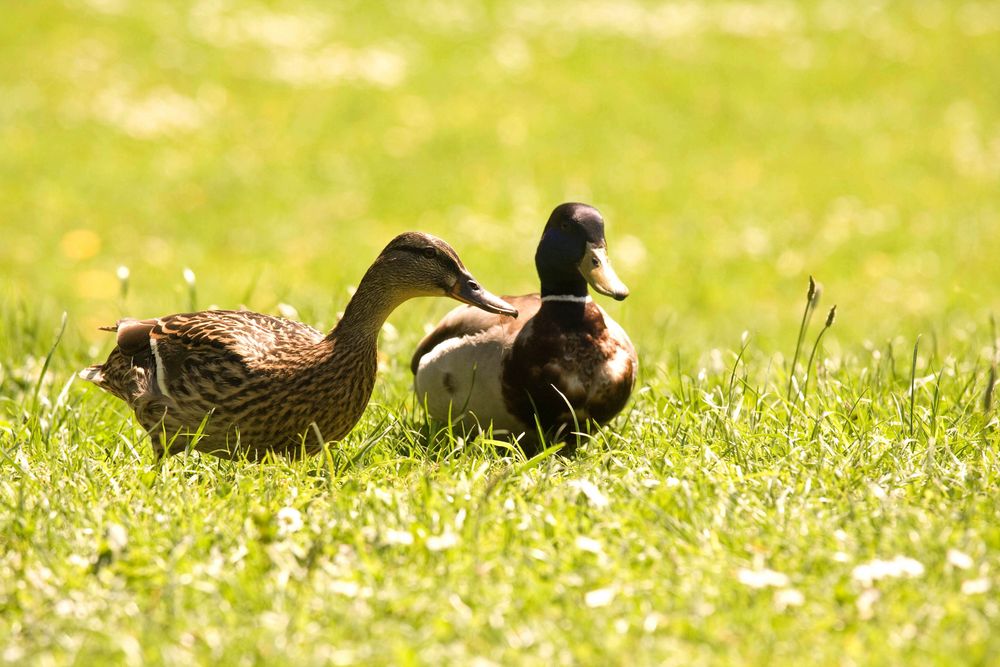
x: 564, y: 350
x: 268, y: 384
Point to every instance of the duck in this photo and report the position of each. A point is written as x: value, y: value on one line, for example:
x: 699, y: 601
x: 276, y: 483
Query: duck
x: 245, y: 384
x: 563, y: 364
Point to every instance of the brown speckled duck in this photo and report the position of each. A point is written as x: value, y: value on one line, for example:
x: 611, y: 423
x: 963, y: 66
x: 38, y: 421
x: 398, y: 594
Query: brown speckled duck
x: 268, y: 384
x: 477, y: 368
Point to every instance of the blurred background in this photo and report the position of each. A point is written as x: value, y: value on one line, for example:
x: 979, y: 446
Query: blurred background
x: 734, y: 148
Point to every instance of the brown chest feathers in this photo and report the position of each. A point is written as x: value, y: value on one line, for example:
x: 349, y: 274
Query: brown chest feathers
x: 568, y: 367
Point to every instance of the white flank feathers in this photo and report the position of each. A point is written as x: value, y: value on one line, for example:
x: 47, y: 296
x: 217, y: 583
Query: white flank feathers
x: 441, y: 349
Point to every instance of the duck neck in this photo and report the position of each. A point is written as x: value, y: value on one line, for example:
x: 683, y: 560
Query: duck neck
x: 556, y: 263
x: 562, y: 283
x: 368, y: 309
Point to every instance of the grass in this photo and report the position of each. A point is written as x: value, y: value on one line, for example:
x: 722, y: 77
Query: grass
x: 767, y: 497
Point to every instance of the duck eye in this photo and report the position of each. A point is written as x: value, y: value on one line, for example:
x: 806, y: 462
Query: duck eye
x: 596, y: 262
x: 564, y: 226
x: 429, y: 253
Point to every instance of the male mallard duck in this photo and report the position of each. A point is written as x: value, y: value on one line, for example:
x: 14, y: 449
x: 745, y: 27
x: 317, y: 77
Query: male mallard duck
x: 268, y: 384
x: 479, y: 368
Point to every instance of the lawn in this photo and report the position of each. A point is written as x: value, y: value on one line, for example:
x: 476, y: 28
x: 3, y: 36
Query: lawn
x: 744, y: 509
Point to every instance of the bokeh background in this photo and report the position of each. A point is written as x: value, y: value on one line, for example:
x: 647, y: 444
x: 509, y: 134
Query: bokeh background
x: 734, y: 148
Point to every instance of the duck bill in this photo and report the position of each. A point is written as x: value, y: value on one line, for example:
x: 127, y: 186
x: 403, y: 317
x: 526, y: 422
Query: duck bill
x: 598, y: 272
x: 467, y: 290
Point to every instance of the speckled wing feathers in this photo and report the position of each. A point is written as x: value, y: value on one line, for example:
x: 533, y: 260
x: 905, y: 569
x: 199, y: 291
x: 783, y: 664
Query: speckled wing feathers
x: 175, y: 370
x: 255, y: 338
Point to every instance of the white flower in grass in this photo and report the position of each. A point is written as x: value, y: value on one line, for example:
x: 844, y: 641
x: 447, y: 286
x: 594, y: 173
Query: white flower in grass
x: 348, y: 589
x: 788, y: 597
x: 875, y: 570
x: 866, y: 603
x: 445, y: 540
x: 77, y: 560
x: 273, y: 620
x: 238, y: 554
x: 761, y: 578
x: 64, y: 608
x: 480, y: 661
x: 289, y: 521
x: 975, y: 586
x: 909, y: 567
x: 600, y: 597
x: 961, y: 560
x: 189, y: 276
x: 589, y: 545
x: 652, y: 622
x: 117, y: 537
x: 13, y: 653
x: 401, y: 537
x: 590, y: 490
x: 23, y: 462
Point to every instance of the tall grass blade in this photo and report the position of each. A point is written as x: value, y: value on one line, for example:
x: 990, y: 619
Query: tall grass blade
x: 913, y: 380
x: 48, y: 360
x: 831, y: 316
x: 991, y: 380
x: 812, y: 298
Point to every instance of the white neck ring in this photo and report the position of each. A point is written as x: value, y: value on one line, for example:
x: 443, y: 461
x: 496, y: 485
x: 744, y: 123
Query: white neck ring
x: 566, y: 297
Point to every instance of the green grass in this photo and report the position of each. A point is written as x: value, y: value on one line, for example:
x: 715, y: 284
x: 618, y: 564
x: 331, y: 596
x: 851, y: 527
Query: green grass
x: 734, y: 148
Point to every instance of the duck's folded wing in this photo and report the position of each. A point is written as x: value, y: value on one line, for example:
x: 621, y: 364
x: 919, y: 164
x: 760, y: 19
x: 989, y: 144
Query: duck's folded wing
x: 181, y: 350
x: 468, y: 320
x: 221, y: 348
x: 213, y: 329
x: 244, y: 334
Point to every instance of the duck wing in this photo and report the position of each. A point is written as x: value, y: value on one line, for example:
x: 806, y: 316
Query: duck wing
x: 217, y: 348
x: 468, y: 320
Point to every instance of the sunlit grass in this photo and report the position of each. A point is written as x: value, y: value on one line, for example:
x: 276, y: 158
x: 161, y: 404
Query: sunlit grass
x: 715, y: 521
x: 768, y: 496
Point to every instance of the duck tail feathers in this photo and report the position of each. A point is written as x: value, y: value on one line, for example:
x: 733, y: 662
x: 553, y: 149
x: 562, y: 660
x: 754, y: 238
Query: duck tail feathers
x: 93, y: 374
